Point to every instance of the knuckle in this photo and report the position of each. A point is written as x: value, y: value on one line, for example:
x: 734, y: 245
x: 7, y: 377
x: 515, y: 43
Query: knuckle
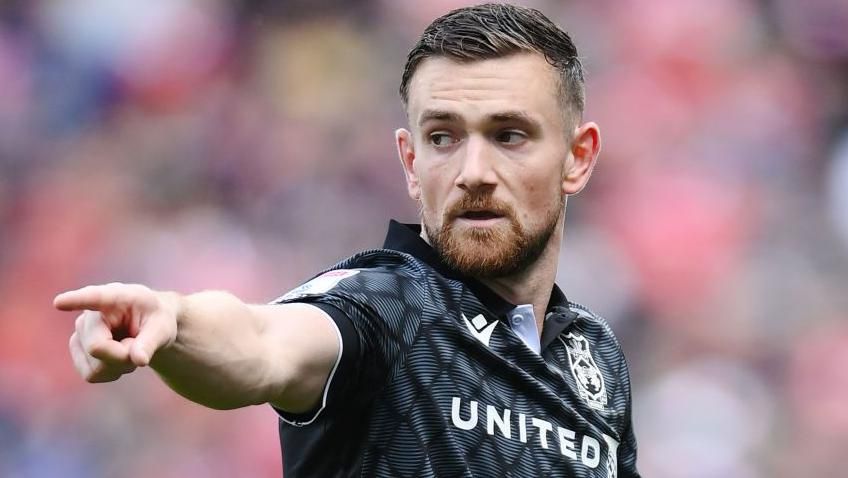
x: 137, y: 288
x: 87, y: 320
x: 78, y: 323
x: 118, y: 296
x: 91, y: 349
x: 138, y: 293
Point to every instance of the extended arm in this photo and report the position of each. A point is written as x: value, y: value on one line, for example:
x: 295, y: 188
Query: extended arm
x: 210, y: 347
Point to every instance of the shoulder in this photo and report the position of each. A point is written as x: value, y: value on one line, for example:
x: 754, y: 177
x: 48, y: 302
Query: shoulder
x: 593, y: 320
x: 376, y: 272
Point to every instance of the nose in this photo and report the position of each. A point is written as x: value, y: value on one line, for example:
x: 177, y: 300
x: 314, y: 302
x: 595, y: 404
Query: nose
x: 477, y: 168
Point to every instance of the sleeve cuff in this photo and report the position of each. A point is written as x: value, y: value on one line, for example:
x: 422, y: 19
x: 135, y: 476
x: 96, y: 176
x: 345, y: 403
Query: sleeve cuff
x: 342, y: 374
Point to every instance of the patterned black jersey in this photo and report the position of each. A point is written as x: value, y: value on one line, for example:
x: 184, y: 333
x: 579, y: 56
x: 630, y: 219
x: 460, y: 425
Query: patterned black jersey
x: 433, y: 380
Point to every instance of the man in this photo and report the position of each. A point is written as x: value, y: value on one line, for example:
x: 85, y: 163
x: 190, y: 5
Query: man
x: 449, y: 352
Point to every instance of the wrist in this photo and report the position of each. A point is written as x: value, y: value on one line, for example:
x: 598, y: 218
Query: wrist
x: 172, y: 305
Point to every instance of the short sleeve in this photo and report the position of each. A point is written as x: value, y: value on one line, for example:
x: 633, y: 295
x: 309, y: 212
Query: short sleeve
x: 377, y: 313
x: 342, y: 374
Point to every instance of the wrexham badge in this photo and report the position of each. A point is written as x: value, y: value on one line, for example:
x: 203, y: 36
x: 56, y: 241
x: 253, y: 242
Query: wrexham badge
x: 590, y: 381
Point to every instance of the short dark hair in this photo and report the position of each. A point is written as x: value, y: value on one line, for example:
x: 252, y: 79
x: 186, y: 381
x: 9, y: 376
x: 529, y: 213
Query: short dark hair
x: 495, y: 30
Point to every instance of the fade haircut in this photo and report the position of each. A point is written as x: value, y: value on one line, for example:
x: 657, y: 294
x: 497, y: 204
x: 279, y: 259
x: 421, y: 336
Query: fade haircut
x: 494, y: 30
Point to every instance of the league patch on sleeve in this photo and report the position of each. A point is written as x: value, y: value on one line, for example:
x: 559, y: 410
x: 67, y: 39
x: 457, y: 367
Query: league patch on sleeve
x: 319, y: 285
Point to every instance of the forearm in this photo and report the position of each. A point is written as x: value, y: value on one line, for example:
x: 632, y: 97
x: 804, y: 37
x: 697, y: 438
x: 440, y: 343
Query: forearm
x: 219, y: 357
x: 210, y: 347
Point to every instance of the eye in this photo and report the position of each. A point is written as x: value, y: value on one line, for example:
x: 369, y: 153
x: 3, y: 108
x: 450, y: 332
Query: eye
x: 441, y: 139
x: 510, y: 137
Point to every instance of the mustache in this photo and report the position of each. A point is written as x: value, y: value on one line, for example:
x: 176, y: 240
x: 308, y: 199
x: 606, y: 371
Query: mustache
x: 479, y: 202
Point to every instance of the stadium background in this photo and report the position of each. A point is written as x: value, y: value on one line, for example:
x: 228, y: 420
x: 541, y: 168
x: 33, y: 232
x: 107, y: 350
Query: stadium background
x: 193, y: 144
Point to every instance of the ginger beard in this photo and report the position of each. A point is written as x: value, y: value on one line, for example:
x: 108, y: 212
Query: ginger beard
x: 502, y: 250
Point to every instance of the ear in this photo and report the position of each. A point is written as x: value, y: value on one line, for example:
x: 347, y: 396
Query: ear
x: 585, y: 146
x: 406, y: 154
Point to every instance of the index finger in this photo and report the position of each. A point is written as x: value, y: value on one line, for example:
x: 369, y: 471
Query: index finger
x: 92, y: 297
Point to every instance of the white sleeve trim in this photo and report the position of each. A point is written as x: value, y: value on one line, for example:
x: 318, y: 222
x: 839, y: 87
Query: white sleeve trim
x: 301, y: 423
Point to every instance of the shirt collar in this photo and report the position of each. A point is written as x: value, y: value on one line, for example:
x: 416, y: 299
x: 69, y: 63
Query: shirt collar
x: 407, y: 238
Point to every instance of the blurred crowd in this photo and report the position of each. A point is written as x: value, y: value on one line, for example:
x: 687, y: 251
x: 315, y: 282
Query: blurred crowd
x: 192, y: 144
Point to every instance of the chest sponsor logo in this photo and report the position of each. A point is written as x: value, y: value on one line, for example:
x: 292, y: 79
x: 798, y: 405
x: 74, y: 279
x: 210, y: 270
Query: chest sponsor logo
x: 590, y: 380
x: 480, y: 328
x: 533, y: 431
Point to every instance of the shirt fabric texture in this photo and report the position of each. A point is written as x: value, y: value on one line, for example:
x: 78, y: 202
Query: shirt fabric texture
x: 432, y: 380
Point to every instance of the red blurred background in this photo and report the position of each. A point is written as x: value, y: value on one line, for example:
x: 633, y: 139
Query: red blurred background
x: 190, y: 144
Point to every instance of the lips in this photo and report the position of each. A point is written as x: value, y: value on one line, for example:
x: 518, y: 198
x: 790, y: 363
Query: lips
x: 480, y: 208
x: 480, y: 215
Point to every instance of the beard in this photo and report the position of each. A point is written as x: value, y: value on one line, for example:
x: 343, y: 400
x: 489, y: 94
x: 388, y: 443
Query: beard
x: 490, y: 252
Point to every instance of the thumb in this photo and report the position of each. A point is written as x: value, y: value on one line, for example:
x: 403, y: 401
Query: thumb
x: 140, y: 354
x: 154, y: 333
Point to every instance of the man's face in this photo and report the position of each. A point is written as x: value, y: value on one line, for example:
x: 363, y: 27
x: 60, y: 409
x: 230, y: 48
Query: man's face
x: 488, y: 158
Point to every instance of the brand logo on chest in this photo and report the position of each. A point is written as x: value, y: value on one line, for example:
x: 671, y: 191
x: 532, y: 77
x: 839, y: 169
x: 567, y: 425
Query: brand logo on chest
x: 480, y: 328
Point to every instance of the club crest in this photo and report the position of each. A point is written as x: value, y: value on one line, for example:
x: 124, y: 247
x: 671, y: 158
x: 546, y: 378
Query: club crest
x: 590, y: 381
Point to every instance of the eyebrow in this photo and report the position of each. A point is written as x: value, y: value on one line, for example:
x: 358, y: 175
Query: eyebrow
x: 499, y: 117
x: 438, y: 115
x: 515, y: 117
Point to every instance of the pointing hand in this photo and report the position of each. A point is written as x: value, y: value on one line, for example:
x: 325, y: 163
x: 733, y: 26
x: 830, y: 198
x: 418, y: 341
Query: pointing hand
x: 120, y: 328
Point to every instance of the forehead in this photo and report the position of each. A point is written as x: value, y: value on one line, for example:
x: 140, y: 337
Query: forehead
x: 520, y: 82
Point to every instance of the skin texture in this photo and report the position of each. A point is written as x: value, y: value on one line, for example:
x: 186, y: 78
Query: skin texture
x: 486, y: 135
x: 492, y: 135
x: 209, y: 347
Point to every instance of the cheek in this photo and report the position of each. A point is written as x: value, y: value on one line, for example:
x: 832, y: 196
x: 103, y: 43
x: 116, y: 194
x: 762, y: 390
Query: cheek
x: 539, y: 195
x: 431, y: 204
x: 435, y: 186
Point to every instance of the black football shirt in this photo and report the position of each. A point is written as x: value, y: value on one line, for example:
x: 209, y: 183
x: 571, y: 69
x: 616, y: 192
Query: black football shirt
x: 434, y: 380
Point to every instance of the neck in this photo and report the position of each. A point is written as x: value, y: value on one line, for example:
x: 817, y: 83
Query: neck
x: 534, y: 284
